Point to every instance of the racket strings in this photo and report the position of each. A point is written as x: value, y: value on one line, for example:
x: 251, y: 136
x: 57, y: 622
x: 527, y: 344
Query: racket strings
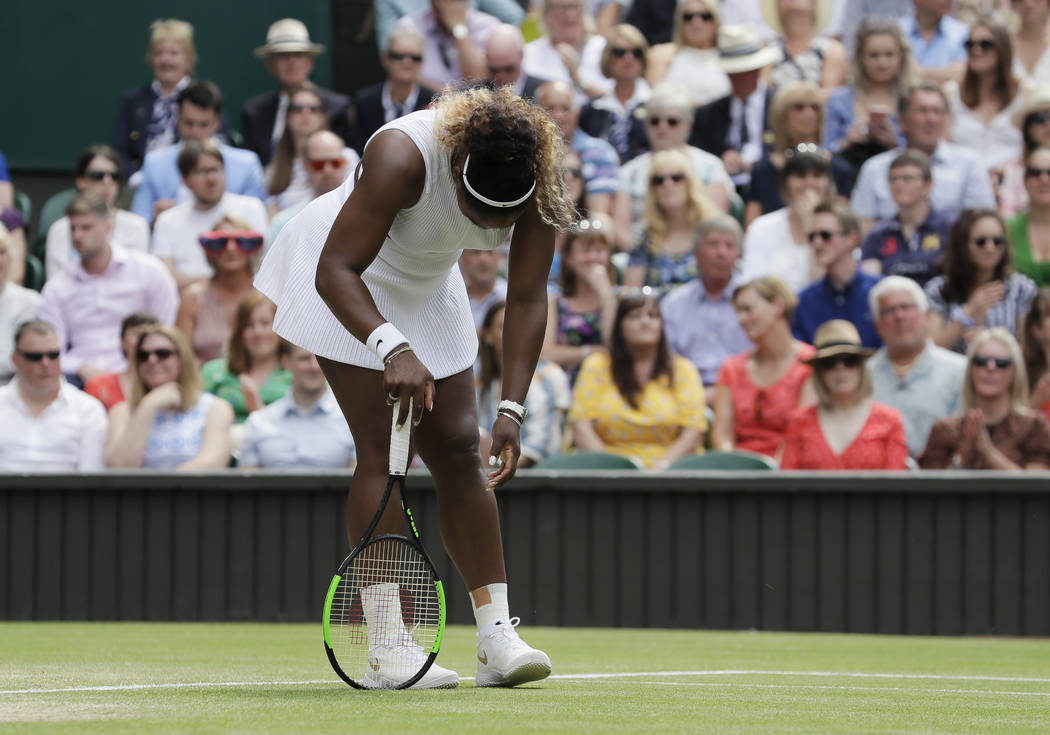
x: 386, y: 614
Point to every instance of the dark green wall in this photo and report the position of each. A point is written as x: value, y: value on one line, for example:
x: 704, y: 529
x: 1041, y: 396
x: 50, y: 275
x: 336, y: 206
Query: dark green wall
x: 67, y: 64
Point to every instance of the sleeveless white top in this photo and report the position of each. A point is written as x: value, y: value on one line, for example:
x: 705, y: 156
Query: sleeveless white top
x: 176, y: 436
x: 415, y: 279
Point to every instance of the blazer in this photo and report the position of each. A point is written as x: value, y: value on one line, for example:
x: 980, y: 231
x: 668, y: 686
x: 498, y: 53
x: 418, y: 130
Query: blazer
x: 367, y: 114
x: 161, y: 178
x: 711, y: 125
x: 258, y: 115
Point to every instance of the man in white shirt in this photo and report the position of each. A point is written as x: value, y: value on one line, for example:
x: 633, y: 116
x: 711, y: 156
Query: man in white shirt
x: 17, y: 304
x: 47, y: 425
x: 175, y: 235
x: 303, y: 430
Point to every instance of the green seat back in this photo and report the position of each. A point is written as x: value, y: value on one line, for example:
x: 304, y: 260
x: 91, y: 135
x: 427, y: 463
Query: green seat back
x: 735, y: 460
x: 34, y: 277
x: 587, y: 461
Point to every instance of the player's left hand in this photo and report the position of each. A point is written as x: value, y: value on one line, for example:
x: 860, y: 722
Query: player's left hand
x: 504, y: 453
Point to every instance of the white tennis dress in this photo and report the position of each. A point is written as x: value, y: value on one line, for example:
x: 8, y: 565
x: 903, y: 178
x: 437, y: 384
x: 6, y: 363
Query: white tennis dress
x: 414, y: 280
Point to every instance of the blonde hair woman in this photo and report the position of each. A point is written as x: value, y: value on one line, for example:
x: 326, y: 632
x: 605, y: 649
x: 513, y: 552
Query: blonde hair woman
x: 168, y: 421
x: 613, y: 117
x: 675, y: 205
x: 691, y: 58
x: 805, y: 53
x: 997, y: 430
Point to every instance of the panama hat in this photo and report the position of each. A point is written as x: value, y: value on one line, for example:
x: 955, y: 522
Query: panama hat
x: 1035, y: 99
x: 821, y: 15
x: 837, y: 337
x: 740, y: 49
x: 288, y: 35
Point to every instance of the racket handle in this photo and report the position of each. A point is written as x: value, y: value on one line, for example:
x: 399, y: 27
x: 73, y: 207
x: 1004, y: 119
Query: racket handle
x: 399, y: 441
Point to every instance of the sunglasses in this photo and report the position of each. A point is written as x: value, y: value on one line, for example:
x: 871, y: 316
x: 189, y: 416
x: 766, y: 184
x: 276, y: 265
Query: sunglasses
x: 983, y: 241
x: 823, y: 235
x: 1031, y: 172
x: 619, y: 53
x: 398, y: 56
x: 306, y: 108
x: 847, y: 360
x: 161, y: 354
x: 1037, y: 118
x: 322, y: 163
x: 671, y: 121
x: 248, y: 241
x: 659, y: 179
x: 100, y: 175
x: 705, y: 16
x: 986, y: 361
x: 51, y: 355
x: 575, y: 172
x: 985, y: 45
x: 494, y: 70
x: 799, y: 106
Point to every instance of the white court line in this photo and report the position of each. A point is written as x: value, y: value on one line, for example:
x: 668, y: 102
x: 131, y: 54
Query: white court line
x: 712, y: 684
x: 609, y: 675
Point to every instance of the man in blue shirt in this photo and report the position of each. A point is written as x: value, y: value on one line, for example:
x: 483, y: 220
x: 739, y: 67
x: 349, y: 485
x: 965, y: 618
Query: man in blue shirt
x: 936, y: 39
x: 843, y: 292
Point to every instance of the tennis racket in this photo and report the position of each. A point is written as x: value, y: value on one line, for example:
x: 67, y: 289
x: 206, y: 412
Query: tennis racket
x: 384, y: 614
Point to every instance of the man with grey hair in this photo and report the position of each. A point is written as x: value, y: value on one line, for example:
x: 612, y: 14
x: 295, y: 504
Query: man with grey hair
x: 504, y: 53
x: 912, y: 374
x: 699, y: 317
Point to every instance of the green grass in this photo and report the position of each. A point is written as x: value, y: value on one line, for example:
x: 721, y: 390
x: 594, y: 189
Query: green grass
x: 286, y: 685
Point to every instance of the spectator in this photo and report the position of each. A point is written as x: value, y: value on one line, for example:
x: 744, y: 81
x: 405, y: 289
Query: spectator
x: 936, y: 39
x: 289, y: 56
x: 11, y: 221
x: 668, y: 121
x: 601, y: 167
x: 579, y: 318
x: 675, y: 205
x: 979, y: 287
x: 806, y: 55
x: 778, y: 242
x: 112, y: 388
x: 199, y: 117
x: 504, y: 55
x: 862, y: 117
x: 399, y: 94
x: 251, y: 375
x: 912, y: 374
x: 567, y: 52
x: 690, y: 60
x: 912, y: 242
x: 1033, y: 120
x: 847, y: 429
x: 639, y: 400
x: 842, y: 294
x: 983, y: 105
x: 758, y: 390
x: 207, y: 309
x: 1031, y: 60
x: 146, y: 118
x: 17, y: 304
x: 575, y: 192
x: 485, y: 285
x: 613, y: 117
x: 546, y: 403
x: 960, y: 181
x: 455, y: 36
x: 997, y: 429
x: 325, y: 160
x: 389, y: 12
x: 734, y: 127
x: 1030, y: 231
x: 98, y: 174
x: 302, y: 430
x: 698, y: 316
x: 47, y: 425
x: 204, y: 169
x: 854, y: 12
x: 1035, y: 344
x: 797, y: 119
x: 168, y: 422
x: 286, y: 179
x: 87, y: 303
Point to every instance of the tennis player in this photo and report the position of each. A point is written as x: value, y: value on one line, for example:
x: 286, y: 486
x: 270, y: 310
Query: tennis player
x: 366, y: 277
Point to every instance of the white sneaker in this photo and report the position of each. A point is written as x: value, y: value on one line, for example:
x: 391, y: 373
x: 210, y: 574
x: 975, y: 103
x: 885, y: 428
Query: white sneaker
x: 505, y: 660
x: 389, y: 666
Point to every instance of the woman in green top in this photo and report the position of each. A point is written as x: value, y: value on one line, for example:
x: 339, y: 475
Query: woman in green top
x: 251, y: 376
x: 1030, y: 231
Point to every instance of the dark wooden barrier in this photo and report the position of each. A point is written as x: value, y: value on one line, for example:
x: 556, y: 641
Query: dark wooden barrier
x: 922, y: 553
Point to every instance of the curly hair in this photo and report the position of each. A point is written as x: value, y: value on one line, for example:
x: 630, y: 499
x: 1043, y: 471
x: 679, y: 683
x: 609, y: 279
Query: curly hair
x: 511, y: 143
x: 960, y: 273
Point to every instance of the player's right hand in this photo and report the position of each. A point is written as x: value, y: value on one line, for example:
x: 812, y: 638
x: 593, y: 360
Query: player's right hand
x: 405, y: 378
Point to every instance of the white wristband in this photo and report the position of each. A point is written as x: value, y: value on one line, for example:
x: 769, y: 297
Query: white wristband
x: 384, y: 338
x: 515, y: 408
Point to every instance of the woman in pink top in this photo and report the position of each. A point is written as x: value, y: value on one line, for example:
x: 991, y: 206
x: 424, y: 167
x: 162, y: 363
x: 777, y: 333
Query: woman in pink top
x: 758, y: 390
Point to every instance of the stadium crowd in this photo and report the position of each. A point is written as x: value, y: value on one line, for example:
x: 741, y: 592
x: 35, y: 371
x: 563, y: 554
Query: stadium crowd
x: 812, y: 230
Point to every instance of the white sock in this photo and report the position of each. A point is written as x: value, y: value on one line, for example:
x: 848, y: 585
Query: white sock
x: 497, y: 609
x: 381, y: 604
